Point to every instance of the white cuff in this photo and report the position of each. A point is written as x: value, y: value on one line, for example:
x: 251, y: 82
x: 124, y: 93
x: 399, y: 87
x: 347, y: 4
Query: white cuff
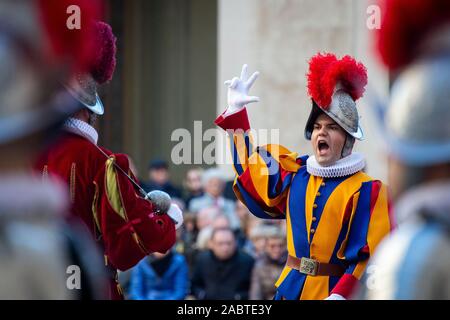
x: 176, y: 215
x: 335, y: 296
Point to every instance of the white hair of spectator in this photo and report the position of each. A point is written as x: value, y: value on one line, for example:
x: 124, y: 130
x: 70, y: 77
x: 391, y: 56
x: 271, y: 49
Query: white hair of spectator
x: 203, y: 238
x: 275, y: 232
x: 265, y: 231
x: 213, y: 173
x: 207, y: 215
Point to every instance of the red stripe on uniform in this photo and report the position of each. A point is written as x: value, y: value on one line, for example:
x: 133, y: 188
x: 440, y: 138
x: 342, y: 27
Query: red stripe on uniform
x: 247, y: 183
x: 348, y: 211
x: 376, y: 187
x: 345, y: 285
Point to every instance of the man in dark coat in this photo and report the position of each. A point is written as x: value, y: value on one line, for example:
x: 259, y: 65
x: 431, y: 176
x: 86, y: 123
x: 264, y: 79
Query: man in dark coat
x: 159, y: 179
x: 223, y: 272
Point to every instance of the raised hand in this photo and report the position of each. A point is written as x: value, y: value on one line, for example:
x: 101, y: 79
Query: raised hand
x: 238, y: 91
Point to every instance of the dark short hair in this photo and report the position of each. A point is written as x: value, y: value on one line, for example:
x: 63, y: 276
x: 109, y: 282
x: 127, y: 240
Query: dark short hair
x: 158, y: 164
x: 216, y: 230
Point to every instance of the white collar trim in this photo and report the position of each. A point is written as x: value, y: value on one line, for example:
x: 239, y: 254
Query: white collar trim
x: 430, y: 197
x: 344, y: 167
x: 81, y: 128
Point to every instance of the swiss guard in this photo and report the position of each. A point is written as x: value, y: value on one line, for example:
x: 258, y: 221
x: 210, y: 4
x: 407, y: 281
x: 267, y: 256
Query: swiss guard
x: 335, y: 213
x: 413, y: 262
x: 126, y: 226
x: 37, y: 51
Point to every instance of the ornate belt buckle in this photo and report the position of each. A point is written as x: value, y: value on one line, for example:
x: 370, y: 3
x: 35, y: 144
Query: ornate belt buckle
x: 309, y: 266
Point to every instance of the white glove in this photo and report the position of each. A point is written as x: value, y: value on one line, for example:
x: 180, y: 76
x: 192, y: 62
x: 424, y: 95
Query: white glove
x: 238, y: 91
x: 176, y: 215
x: 335, y: 296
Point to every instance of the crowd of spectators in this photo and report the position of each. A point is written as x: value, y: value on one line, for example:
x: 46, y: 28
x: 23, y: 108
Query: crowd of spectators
x: 222, y: 251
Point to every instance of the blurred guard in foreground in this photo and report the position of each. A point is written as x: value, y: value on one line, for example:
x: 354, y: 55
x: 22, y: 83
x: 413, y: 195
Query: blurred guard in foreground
x: 36, y: 247
x: 126, y: 226
x: 414, y: 262
x: 335, y: 213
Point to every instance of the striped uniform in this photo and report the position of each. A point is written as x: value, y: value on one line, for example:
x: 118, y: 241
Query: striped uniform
x: 334, y: 220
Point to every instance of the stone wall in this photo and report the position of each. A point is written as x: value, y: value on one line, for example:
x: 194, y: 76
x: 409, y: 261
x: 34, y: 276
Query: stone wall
x: 277, y: 37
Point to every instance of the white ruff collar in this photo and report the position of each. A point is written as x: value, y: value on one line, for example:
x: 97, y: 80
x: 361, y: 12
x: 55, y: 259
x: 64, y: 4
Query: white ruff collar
x: 82, y: 129
x: 344, y: 167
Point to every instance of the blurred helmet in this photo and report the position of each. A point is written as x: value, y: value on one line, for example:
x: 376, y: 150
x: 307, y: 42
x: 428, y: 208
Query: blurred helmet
x: 38, y: 51
x: 418, y: 117
x: 84, y: 86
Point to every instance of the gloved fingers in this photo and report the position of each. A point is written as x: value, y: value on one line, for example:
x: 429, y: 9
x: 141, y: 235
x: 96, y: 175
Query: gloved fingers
x: 228, y: 83
x: 244, y: 72
x: 245, y: 100
x: 234, y: 83
x: 249, y: 99
x: 252, y: 79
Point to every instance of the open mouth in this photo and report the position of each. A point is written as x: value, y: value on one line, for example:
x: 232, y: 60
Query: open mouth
x: 322, y: 146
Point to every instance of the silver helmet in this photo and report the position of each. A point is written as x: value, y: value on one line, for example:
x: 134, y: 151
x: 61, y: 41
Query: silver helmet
x: 417, y: 121
x: 342, y: 110
x: 84, y: 88
x: 334, y: 86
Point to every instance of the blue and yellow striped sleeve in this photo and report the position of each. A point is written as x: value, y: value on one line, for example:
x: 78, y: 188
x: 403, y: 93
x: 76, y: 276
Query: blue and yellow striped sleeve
x: 263, y: 174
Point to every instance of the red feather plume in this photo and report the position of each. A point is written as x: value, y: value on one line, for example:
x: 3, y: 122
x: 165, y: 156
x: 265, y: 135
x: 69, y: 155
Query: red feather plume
x: 405, y: 23
x: 104, y: 63
x: 74, y: 46
x: 326, y: 71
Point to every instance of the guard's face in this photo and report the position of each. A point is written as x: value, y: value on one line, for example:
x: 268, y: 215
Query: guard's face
x: 327, y: 140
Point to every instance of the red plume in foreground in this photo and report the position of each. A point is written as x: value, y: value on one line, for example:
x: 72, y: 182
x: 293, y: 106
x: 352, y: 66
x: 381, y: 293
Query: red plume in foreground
x: 76, y: 46
x: 405, y: 23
